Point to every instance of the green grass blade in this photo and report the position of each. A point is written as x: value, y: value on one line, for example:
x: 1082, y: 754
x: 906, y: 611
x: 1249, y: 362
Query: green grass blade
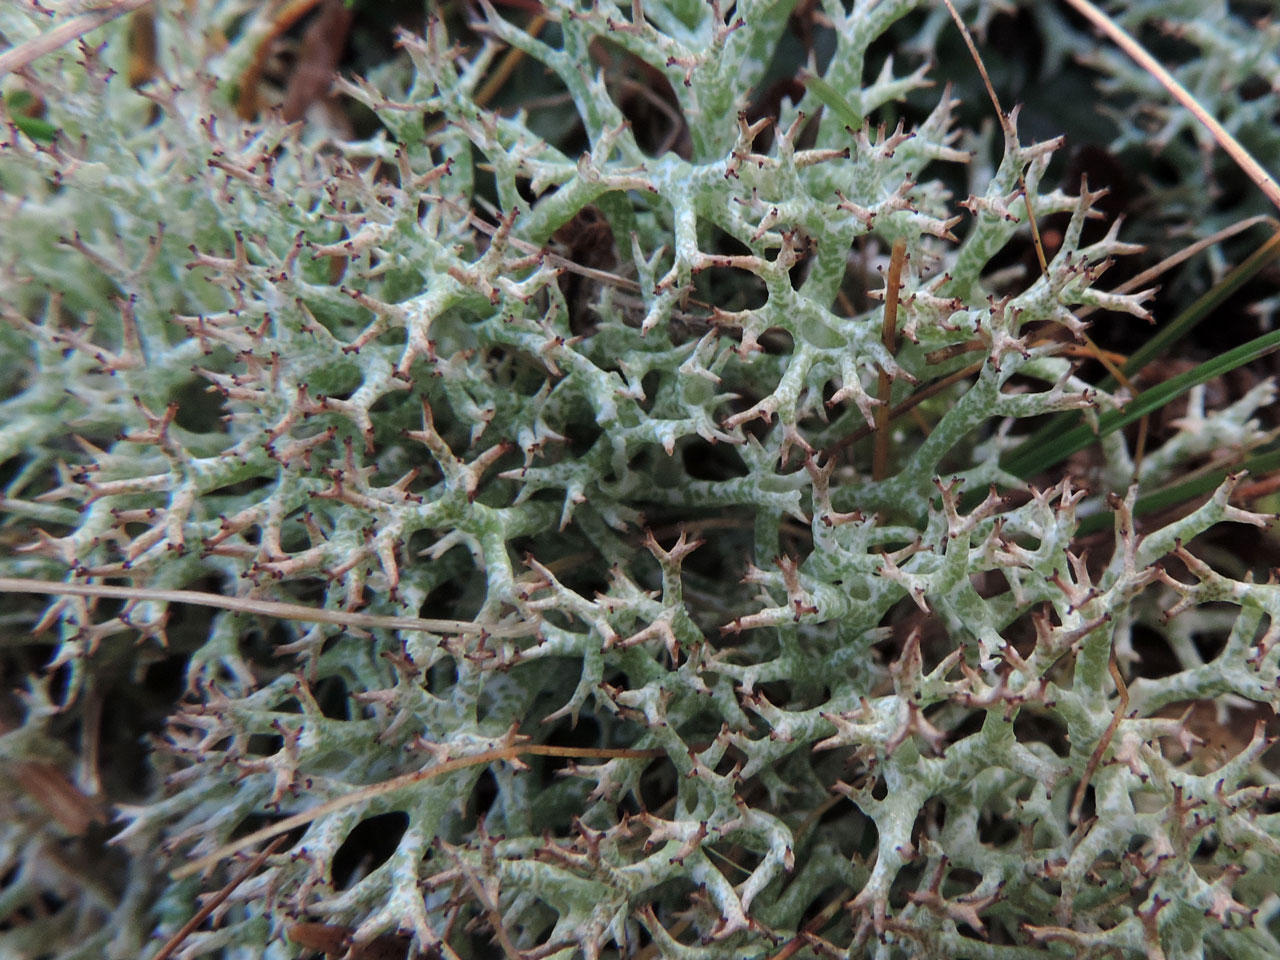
x: 1030, y: 460
x: 1169, y: 334
x: 1183, y: 324
x: 833, y: 101
x: 1259, y: 464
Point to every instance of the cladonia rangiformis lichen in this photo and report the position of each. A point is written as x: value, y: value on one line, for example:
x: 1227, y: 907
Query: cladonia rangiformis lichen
x: 380, y: 375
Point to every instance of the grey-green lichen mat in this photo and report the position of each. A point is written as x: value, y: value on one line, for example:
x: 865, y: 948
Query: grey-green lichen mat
x: 596, y: 384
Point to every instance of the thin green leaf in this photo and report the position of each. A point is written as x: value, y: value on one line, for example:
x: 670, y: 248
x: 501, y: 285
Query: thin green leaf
x: 1168, y: 335
x: 16, y: 105
x: 1028, y: 461
x: 35, y: 128
x: 833, y: 101
x: 1169, y: 497
x: 1186, y: 321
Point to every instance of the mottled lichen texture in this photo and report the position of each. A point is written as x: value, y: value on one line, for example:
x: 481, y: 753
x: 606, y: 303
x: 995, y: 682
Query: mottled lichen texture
x: 386, y: 375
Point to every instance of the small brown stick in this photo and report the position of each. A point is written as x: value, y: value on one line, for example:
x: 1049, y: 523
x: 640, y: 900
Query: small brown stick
x: 599, y: 276
x: 1254, y: 170
x: 650, y: 920
x: 889, y: 337
x: 1007, y: 126
x: 1092, y: 766
x: 917, y: 398
x: 491, y: 911
x: 1012, y: 135
x: 57, y: 795
x: 800, y: 940
x: 1259, y: 488
x: 397, y: 783
x: 501, y: 74
x: 64, y: 33
x: 1186, y: 253
x: 266, y: 608
x: 336, y: 941
x: 937, y: 386
x: 248, y: 103
x: 510, y: 60
x: 319, y: 54
x: 1142, y: 279
x: 216, y: 901
x: 943, y: 354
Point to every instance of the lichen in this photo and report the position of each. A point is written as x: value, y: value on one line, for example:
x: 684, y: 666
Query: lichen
x: 262, y: 360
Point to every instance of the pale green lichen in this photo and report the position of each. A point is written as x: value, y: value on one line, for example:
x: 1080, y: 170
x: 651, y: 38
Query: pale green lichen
x: 640, y: 493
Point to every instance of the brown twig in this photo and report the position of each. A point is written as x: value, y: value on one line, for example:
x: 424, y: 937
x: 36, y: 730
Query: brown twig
x: 917, y: 398
x: 293, y: 11
x: 336, y: 941
x: 266, y: 608
x: 563, y: 263
x: 216, y: 901
x: 1254, y: 170
x: 510, y: 60
x: 1186, y: 253
x: 57, y: 795
x: 398, y: 783
x: 650, y: 919
x: 23, y: 54
x: 793, y: 946
x: 1092, y: 766
x: 1258, y: 488
x: 491, y: 911
x: 1011, y: 135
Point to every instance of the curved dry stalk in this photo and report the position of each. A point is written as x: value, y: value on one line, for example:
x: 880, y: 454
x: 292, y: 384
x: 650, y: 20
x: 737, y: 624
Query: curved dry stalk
x: 216, y: 900
x: 1096, y: 757
x: 405, y: 780
x: 1254, y: 170
x: 266, y: 608
x: 1010, y: 133
x: 64, y: 33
